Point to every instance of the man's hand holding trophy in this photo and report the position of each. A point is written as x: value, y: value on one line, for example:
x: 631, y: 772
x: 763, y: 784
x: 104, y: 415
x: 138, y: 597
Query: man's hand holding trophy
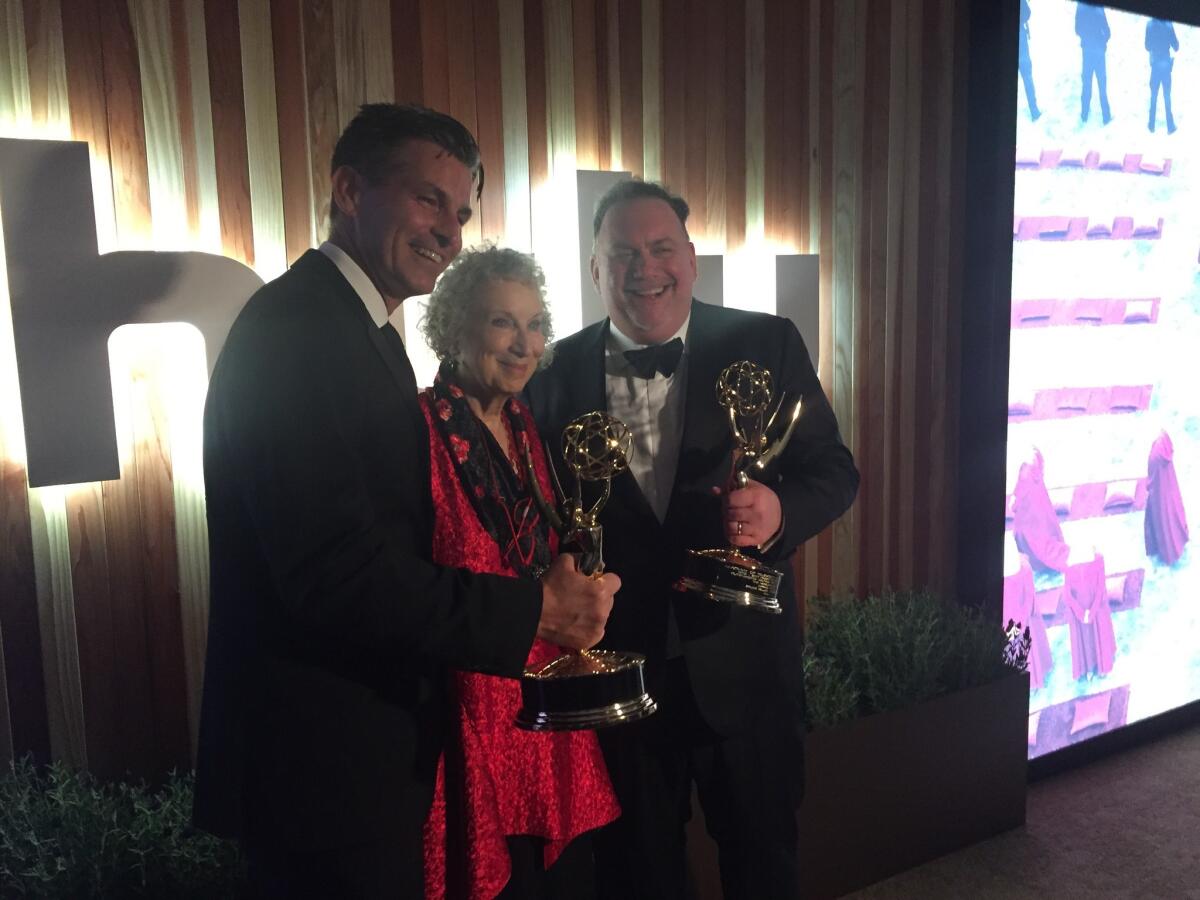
x: 745, y: 391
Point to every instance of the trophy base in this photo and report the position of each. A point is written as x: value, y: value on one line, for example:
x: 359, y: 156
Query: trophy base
x: 730, y: 577
x: 585, y: 690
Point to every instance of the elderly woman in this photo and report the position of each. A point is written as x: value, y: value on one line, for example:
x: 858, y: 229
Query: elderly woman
x: 510, y: 807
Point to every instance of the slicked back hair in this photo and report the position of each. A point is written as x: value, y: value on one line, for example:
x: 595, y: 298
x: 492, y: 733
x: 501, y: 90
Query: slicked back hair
x: 634, y: 189
x: 367, y: 143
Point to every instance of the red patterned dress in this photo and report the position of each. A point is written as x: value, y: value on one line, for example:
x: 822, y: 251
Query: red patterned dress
x: 494, y: 779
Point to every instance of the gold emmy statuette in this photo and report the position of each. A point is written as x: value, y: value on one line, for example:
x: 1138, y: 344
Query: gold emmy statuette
x: 585, y: 688
x: 744, y: 390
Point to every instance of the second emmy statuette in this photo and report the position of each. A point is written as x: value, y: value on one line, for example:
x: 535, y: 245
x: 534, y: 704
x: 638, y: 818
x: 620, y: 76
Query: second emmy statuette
x: 744, y: 390
x: 585, y: 688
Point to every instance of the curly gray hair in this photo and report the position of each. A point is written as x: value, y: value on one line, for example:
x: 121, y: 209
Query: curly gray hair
x: 452, y: 302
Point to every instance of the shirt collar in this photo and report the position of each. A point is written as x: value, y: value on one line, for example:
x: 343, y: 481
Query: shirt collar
x: 367, y: 292
x: 619, y: 342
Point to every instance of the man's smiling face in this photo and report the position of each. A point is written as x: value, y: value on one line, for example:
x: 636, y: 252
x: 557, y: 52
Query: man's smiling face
x: 644, y: 267
x: 406, y: 227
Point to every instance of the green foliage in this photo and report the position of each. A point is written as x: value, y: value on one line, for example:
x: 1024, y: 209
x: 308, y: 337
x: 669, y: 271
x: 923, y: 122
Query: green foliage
x: 873, y: 654
x: 64, y: 835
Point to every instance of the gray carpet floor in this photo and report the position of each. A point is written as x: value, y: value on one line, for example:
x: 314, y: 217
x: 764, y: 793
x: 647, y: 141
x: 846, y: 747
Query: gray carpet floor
x: 1125, y: 826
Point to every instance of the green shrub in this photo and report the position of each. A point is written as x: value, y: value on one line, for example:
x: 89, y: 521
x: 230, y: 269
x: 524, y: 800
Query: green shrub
x: 873, y: 654
x: 63, y: 834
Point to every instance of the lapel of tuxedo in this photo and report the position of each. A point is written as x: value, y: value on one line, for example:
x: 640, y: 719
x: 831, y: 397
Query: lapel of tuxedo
x: 706, y: 435
x: 386, y: 340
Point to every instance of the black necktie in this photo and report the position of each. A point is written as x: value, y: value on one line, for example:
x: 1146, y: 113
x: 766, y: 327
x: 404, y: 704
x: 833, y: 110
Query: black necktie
x: 395, y: 343
x: 656, y: 358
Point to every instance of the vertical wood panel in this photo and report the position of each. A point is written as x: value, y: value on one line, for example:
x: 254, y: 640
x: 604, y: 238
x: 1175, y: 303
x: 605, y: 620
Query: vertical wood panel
x: 515, y: 117
x: 460, y: 20
x: 735, y: 126
x: 489, y: 131
x: 126, y: 128
x: 586, y: 83
x: 6, y: 738
x: 693, y: 103
x: 262, y: 138
x: 185, y: 120
x: 89, y: 119
x: 137, y: 745
x: 229, y: 129
x: 652, y: 127
x: 320, y: 84
x: 847, y: 146
x: 603, y: 84
x: 612, y: 61
x: 208, y: 238
x: 672, y: 108
x: 29, y: 725
x: 47, y: 68
x: 378, y: 64
x: 407, y: 65
x: 629, y: 52
x: 15, y: 112
x: 910, y: 27
x: 716, y: 112
x: 535, y: 94
x: 56, y: 619
x: 98, y: 664
x: 151, y: 22
x: 350, y: 74
x: 160, y: 573
x: 295, y: 170
x: 755, y: 125
x: 435, y: 57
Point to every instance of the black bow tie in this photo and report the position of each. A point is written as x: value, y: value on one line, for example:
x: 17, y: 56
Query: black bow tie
x: 656, y: 358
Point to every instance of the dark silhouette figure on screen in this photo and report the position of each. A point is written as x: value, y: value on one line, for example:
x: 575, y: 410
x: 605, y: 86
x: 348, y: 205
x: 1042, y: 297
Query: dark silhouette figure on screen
x: 1160, y: 41
x: 1025, y: 66
x: 1092, y: 27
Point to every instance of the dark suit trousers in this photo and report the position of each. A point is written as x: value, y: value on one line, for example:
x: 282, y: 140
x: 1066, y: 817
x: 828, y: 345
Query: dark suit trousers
x: 378, y: 870
x: 745, y: 787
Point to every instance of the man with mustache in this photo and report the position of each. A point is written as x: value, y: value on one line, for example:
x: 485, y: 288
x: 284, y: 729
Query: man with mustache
x: 727, y: 678
x: 330, y: 629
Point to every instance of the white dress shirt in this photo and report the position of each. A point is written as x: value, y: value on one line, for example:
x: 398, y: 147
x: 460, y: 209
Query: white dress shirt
x: 653, y: 410
x: 366, y: 290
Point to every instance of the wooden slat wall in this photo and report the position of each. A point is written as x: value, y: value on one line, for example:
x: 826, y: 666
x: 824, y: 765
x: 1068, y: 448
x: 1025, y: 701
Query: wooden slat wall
x: 826, y: 126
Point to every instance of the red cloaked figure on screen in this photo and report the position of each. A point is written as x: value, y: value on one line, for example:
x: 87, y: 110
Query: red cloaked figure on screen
x: 1089, y: 618
x: 1035, y: 524
x: 1166, y: 522
x: 1020, y: 606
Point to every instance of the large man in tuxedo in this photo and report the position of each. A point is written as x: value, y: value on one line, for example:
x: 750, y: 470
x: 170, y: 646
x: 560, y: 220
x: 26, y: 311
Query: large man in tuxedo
x: 728, y: 679
x: 330, y: 630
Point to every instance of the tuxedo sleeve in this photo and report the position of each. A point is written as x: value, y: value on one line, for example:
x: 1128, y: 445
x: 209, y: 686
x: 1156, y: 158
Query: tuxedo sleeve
x: 815, y: 477
x: 287, y: 433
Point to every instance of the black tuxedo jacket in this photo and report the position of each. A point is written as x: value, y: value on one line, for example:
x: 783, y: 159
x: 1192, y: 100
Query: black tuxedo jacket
x: 329, y: 628
x: 742, y: 663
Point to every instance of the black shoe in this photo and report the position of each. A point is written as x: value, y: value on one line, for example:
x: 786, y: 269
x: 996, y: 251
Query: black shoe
x: 1034, y: 115
x: 1107, y: 118
x: 1151, y: 128
x: 1171, y: 129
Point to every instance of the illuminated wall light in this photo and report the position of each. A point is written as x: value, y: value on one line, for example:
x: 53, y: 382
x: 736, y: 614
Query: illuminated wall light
x: 555, y: 208
x: 749, y: 278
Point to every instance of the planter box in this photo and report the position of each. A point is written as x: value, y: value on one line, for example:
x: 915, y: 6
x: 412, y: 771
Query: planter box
x: 891, y: 791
